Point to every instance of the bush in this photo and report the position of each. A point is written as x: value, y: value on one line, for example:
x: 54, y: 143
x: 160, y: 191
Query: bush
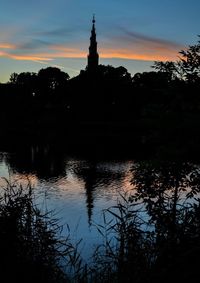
x: 29, y: 248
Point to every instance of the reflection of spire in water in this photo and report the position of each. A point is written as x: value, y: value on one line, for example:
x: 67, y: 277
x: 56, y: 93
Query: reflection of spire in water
x: 90, y: 178
x: 89, y: 201
x: 88, y: 174
x: 96, y: 178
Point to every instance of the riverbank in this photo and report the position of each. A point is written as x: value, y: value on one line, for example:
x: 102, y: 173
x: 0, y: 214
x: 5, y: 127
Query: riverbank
x: 139, y: 139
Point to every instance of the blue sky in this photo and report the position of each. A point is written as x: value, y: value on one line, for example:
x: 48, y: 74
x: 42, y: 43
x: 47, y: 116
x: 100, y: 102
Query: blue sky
x: 133, y: 33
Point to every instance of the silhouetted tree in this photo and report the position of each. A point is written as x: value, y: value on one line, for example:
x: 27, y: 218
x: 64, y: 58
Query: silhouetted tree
x: 13, y: 78
x: 151, y: 80
x: 190, y: 63
x: 168, y: 68
x: 187, y: 68
x: 166, y: 188
x: 24, y: 78
x: 51, y: 79
x: 25, y: 81
x: 169, y: 191
x: 114, y: 75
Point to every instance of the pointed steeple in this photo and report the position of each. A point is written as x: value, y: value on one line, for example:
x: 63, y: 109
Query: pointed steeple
x: 93, y: 20
x: 93, y: 56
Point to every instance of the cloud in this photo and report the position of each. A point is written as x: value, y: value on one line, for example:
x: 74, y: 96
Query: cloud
x: 33, y: 45
x: 143, y: 55
x: 6, y: 46
x: 125, y: 45
x: 16, y: 52
x: 59, y: 32
x: 30, y: 57
x: 11, y: 51
x: 141, y: 38
x: 132, y: 45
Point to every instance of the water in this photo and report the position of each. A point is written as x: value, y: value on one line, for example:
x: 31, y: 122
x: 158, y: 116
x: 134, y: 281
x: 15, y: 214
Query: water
x: 76, y: 190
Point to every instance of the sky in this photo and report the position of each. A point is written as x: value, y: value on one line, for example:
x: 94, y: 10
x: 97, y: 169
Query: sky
x: 130, y: 33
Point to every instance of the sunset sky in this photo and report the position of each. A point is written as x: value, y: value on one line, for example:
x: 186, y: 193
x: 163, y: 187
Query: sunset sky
x: 132, y: 33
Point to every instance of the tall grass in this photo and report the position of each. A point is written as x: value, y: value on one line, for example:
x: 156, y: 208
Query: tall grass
x: 124, y: 255
x: 31, y: 248
x: 132, y: 249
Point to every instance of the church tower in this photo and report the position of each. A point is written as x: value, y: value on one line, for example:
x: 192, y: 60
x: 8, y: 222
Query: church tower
x: 93, y: 56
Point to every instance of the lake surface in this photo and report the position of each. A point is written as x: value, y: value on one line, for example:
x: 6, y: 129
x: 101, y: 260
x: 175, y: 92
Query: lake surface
x: 76, y: 190
x: 162, y: 222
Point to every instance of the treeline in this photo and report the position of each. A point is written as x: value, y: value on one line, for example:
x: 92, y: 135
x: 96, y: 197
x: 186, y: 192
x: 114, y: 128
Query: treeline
x: 153, y: 106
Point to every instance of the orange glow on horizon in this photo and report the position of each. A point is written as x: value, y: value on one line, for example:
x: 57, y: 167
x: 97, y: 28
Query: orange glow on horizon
x: 135, y: 56
x: 6, y: 46
x: 158, y: 53
x: 29, y: 57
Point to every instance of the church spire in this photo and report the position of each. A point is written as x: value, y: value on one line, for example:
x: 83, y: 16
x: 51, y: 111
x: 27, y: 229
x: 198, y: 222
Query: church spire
x: 93, y: 56
x: 93, y: 20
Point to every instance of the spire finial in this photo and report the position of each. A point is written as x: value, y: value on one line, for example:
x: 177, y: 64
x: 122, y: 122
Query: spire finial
x: 93, y: 20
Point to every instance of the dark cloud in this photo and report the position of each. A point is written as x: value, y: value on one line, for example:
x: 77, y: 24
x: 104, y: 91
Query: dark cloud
x: 137, y: 38
x: 59, y: 32
x: 34, y: 44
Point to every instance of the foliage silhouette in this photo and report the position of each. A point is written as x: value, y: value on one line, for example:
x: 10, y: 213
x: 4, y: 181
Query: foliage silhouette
x: 169, y: 192
x: 29, y: 248
x: 155, y: 111
x: 31, y: 245
x: 152, y: 234
x: 187, y: 68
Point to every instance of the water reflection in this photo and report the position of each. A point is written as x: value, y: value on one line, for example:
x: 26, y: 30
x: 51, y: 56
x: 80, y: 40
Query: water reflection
x: 44, y: 161
x: 168, y: 190
x: 94, y: 177
x: 80, y: 189
x: 59, y: 175
x: 168, y: 228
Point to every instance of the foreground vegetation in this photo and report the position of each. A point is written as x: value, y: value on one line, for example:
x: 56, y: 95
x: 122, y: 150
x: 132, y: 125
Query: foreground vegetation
x: 151, y: 235
x: 30, y: 251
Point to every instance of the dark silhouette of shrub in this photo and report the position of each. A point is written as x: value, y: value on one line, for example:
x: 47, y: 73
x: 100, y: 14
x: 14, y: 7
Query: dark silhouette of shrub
x: 30, y: 250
